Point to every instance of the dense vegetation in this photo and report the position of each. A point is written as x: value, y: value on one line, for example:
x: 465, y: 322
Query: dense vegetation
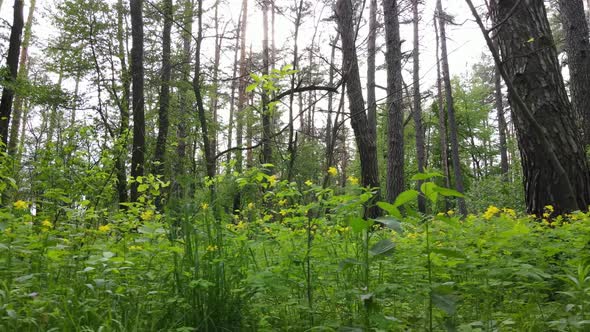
x: 295, y: 258
x: 163, y: 168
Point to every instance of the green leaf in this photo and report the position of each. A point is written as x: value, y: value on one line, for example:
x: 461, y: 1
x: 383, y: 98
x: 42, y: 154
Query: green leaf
x: 391, y: 223
x: 348, y: 263
x: 358, y: 225
x: 446, y: 303
x: 251, y: 87
x: 449, y: 252
x: 447, y: 192
x: 390, y: 209
x: 428, y: 189
x: 532, y: 39
x: 426, y: 176
x: 383, y: 247
x: 405, y: 197
x: 142, y: 187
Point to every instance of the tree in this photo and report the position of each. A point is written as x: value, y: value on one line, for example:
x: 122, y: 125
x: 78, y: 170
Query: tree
x: 553, y: 159
x: 417, y: 101
x: 138, y: 102
x: 441, y: 16
x: 366, y: 143
x: 243, y: 83
x: 577, y: 41
x: 12, y: 63
x: 22, y: 75
x: 163, y: 122
x: 371, y: 52
x: 395, y: 128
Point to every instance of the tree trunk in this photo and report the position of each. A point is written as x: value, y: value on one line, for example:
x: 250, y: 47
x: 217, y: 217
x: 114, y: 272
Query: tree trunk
x: 23, y: 72
x: 232, y: 101
x: 442, y: 118
x: 420, y: 154
x: 183, y: 91
x: 393, y: 58
x: 242, y: 98
x: 208, y: 149
x: 137, y: 71
x: 214, y: 94
x: 266, y: 119
x: 371, y: 102
x: 501, y: 124
x: 366, y: 143
x: 12, y: 64
x: 292, y: 144
x: 163, y: 123
x: 450, y: 109
x: 553, y: 159
x: 578, y: 59
x: 124, y: 107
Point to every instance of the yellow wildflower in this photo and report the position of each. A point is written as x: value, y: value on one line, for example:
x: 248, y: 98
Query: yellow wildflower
x: 549, y: 208
x: 490, y: 212
x: 308, y: 183
x: 283, y: 202
x: 211, y: 248
x: 353, y: 180
x: 46, y: 224
x: 250, y: 206
x: 412, y: 235
x: 204, y: 206
x: 450, y: 212
x: 20, y: 205
x: 272, y: 180
x: 241, y: 225
x: 332, y: 171
x: 147, y: 215
x: 283, y: 212
x: 135, y: 248
x: 104, y: 228
x: 509, y: 212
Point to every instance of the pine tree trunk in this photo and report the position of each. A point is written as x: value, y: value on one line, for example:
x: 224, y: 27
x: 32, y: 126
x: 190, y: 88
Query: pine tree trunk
x: 553, y: 159
x: 577, y: 42
x: 501, y: 125
x: 420, y: 154
x: 232, y: 101
x: 366, y: 143
x: 242, y: 98
x: 214, y: 94
x: 23, y: 72
x: 124, y: 107
x: 163, y: 123
x: 292, y: 144
x: 137, y: 73
x: 442, y: 117
x: 393, y: 58
x: 371, y: 103
x: 451, y: 110
x: 266, y: 119
x: 12, y: 64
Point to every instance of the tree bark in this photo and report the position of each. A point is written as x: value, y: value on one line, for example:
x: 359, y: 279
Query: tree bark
x: 553, y: 159
x: 371, y: 103
x: 577, y: 42
x: 292, y: 144
x: 366, y: 143
x: 451, y: 110
x: 12, y: 64
x: 242, y: 98
x: 137, y: 73
x: 232, y: 101
x: 163, y: 123
x: 266, y: 118
x: 23, y: 72
x: 124, y: 106
x: 420, y: 154
x: 395, y: 129
x: 499, y: 102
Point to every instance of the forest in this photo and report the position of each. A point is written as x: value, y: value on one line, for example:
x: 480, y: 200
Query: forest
x: 294, y: 165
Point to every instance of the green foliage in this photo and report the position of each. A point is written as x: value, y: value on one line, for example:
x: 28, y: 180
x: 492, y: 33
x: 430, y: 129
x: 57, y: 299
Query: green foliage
x: 292, y: 257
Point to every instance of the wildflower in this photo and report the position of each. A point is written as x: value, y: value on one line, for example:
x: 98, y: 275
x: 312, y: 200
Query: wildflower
x: 204, y: 206
x: 283, y: 202
x: 241, y: 225
x: 332, y: 171
x: 549, y: 208
x: 212, y: 248
x: 251, y: 206
x: 272, y: 180
x: 135, y: 248
x: 283, y: 212
x: 412, y: 235
x: 20, y: 205
x: 308, y: 183
x: 353, y: 180
x: 104, y: 228
x: 147, y: 215
x: 46, y: 224
x: 450, y: 212
x: 490, y: 212
x: 509, y: 212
